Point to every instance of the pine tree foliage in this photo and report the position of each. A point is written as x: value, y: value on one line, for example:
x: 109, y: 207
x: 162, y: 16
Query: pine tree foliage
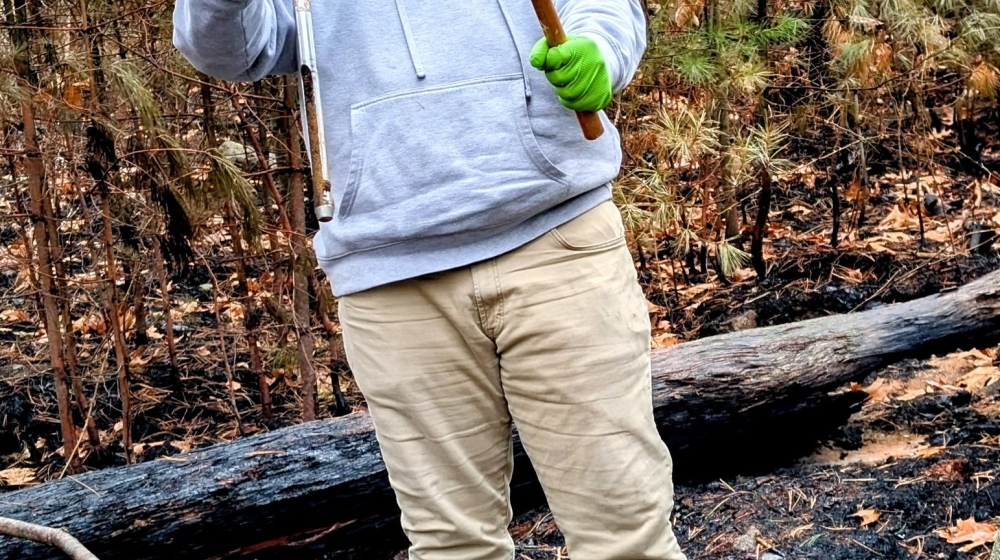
x: 854, y: 72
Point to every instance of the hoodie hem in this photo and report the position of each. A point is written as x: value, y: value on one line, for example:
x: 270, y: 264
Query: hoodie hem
x: 365, y: 270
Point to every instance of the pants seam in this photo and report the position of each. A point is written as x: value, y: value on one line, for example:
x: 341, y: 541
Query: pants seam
x: 500, y: 302
x: 480, y: 308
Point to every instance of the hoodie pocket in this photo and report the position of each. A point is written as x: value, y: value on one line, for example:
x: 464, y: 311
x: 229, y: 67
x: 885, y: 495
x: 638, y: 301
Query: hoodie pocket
x: 439, y: 161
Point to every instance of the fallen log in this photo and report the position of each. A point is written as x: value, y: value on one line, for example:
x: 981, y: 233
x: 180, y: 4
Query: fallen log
x: 724, y: 402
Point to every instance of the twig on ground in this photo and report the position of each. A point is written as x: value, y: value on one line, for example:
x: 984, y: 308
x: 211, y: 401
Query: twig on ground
x: 47, y: 535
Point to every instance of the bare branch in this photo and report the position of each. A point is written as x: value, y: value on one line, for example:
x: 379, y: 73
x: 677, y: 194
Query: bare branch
x: 39, y: 533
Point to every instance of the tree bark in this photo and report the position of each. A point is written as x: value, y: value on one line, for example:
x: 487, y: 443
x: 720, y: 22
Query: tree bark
x: 117, y: 329
x: 44, y: 233
x: 302, y: 265
x: 760, y: 228
x: 168, y: 316
x: 728, y: 195
x: 732, y: 403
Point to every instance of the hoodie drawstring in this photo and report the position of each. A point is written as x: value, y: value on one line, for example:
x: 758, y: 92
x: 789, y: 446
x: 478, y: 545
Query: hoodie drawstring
x: 418, y: 66
x: 520, y: 55
x: 410, y: 42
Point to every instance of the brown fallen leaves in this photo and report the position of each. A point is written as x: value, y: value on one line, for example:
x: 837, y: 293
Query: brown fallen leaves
x: 969, y: 531
x: 952, y: 470
x: 14, y: 316
x: 17, y: 477
x: 93, y: 322
x: 971, y: 370
x: 878, y: 391
x: 868, y: 516
x: 663, y: 331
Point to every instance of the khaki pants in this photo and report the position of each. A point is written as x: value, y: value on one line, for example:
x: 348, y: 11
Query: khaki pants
x: 553, y: 336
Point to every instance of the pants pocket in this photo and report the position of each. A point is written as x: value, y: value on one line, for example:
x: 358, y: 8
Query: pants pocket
x: 597, y: 229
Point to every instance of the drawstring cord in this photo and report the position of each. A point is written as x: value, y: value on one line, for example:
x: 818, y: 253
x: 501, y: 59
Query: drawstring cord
x: 520, y: 55
x: 418, y: 66
x: 410, y: 43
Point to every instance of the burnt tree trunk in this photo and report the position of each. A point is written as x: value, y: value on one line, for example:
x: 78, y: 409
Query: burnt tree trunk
x: 302, y: 264
x: 728, y: 403
x: 45, y: 230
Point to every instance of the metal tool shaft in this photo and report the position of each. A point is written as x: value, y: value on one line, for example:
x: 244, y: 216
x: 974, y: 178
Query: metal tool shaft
x: 313, y: 111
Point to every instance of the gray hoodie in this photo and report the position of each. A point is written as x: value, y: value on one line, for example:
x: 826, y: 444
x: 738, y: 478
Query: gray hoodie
x: 445, y: 146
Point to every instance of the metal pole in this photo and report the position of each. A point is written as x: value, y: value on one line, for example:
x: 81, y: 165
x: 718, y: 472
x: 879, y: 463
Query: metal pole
x: 313, y: 111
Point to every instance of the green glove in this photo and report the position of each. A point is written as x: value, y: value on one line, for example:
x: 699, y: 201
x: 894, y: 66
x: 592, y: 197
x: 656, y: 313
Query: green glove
x: 577, y: 70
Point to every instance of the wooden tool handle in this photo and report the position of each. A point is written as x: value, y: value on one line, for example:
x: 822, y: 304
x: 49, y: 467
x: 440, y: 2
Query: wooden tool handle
x: 555, y: 35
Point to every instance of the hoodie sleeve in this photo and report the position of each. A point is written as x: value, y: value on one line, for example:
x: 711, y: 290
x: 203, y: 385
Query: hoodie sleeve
x: 237, y: 40
x: 617, y: 26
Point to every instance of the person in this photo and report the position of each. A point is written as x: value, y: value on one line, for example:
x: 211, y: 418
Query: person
x: 480, y: 264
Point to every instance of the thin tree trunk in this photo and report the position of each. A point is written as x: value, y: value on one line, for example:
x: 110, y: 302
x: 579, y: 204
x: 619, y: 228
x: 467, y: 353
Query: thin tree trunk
x: 862, y: 177
x: 302, y: 263
x: 251, y: 317
x: 137, y: 280
x: 62, y: 291
x: 269, y: 181
x: 761, y: 15
x: 114, y: 311
x: 763, y: 208
x: 236, y: 238
x: 230, y: 382
x: 251, y: 311
x: 920, y: 207
x: 727, y: 190
x: 324, y: 309
x: 93, y: 434
x: 44, y: 223
x: 168, y: 316
x: 92, y: 46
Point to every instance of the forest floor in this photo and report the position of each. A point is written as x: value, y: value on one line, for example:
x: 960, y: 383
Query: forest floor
x: 913, y: 475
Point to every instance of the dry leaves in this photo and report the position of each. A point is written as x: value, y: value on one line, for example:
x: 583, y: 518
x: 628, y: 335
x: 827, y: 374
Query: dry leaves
x: 855, y: 192
x: 663, y: 334
x: 976, y: 356
x: 969, y: 531
x: 801, y: 529
x: 14, y: 316
x: 930, y: 451
x: 17, y: 477
x: 137, y: 360
x: 899, y: 218
x: 664, y: 340
x: 954, y: 470
x: 654, y: 309
x: 234, y: 312
x: 878, y: 391
x: 91, y: 323
x: 75, y: 93
x: 980, y: 378
x: 850, y: 275
x: 185, y: 308
x: 938, y: 235
x: 868, y: 516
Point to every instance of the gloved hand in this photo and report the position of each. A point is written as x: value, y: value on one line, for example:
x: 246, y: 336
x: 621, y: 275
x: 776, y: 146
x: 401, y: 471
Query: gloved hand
x: 577, y: 70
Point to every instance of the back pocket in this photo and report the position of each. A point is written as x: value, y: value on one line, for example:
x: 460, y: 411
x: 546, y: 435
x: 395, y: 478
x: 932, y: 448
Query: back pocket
x: 445, y: 160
